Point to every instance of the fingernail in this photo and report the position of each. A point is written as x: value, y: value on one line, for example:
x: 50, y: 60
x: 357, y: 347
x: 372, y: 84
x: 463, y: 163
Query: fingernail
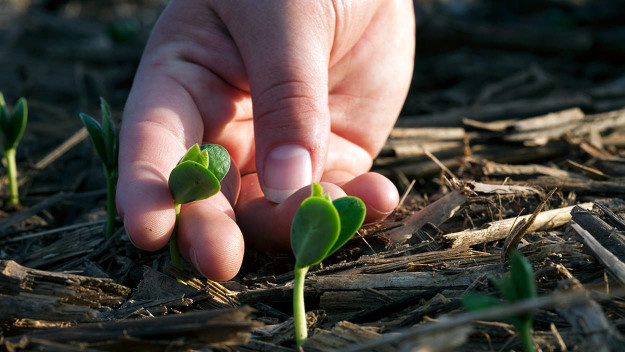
x: 287, y: 169
x: 379, y: 212
x: 196, y: 264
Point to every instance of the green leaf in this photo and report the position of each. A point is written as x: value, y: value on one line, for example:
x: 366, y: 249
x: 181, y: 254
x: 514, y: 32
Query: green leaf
x: 507, y: 288
x: 351, y: 214
x: 476, y: 301
x: 4, y: 120
x: 190, y: 181
x: 516, y: 320
x: 109, y: 135
x: 18, y: 121
x: 196, y: 155
x: 95, y: 131
x: 317, y: 190
x: 218, y: 160
x: 314, y: 231
x: 522, y: 275
x: 12, y: 125
x: 122, y: 30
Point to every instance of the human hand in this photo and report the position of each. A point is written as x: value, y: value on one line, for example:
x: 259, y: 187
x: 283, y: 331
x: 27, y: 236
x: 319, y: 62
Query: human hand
x: 296, y: 91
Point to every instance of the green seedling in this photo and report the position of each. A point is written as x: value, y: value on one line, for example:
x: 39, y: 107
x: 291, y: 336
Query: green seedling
x: 106, y: 142
x: 123, y: 30
x: 12, y: 127
x: 320, y: 227
x: 197, y: 176
x: 516, y: 286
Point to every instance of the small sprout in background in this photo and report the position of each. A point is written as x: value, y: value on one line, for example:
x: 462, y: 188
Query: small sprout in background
x: 106, y: 143
x: 12, y: 127
x: 124, y: 29
x: 320, y: 227
x: 197, y: 176
x: 516, y: 286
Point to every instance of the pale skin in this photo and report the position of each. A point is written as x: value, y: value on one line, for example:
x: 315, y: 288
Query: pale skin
x: 297, y: 91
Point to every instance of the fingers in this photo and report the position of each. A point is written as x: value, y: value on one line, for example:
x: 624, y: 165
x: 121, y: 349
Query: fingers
x: 161, y: 120
x: 286, y: 58
x: 267, y: 225
x: 159, y: 123
x: 210, y: 239
x: 143, y: 198
x: 368, y: 85
x: 175, y: 95
x: 208, y: 236
x: 347, y: 156
x: 379, y: 193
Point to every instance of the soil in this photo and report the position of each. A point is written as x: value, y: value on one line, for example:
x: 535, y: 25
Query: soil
x: 507, y: 103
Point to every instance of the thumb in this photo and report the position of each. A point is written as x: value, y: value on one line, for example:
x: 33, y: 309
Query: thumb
x: 286, y: 57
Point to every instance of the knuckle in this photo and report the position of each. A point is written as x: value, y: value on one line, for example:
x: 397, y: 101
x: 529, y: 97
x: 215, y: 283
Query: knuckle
x: 277, y: 105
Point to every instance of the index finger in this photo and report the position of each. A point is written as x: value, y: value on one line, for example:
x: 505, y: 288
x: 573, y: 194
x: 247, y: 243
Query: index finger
x: 159, y: 122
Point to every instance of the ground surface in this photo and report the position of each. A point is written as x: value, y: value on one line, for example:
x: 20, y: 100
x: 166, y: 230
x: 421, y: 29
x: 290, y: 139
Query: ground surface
x: 485, y: 78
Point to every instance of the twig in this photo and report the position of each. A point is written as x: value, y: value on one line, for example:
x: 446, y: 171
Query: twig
x: 437, y: 134
x: 435, y: 213
x: 607, y: 235
x: 617, y: 220
x: 496, y: 169
x: 452, y: 321
x: 25, y: 214
x: 609, y: 260
x: 403, y: 197
x: 498, y: 230
x: 394, y: 280
x: 514, y: 238
x: 558, y: 337
x: 441, y: 165
x: 76, y: 138
x: 53, y: 231
x: 479, y: 187
x: 226, y: 326
x: 589, y: 321
x: 589, y: 171
x: 492, y: 112
x: 579, y: 185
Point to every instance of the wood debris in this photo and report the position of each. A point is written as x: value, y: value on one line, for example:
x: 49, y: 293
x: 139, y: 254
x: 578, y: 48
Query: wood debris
x: 498, y: 230
x: 215, y: 327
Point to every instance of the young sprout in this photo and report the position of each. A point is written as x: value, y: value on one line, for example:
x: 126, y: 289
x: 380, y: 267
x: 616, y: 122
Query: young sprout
x: 12, y: 128
x: 197, y: 176
x: 106, y: 143
x: 320, y: 227
x: 517, y: 285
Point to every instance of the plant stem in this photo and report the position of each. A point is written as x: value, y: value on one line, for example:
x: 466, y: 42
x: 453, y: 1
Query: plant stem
x: 525, y: 330
x: 299, y: 311
x: 111, y: 208
x: 12, y: 174
x: 173, y: 242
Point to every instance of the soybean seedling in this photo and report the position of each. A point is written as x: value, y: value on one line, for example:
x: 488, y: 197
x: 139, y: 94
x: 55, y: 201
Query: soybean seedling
x: 517, y: 285
x: 106, y: 142
x: 12, y: 127
x: 197, y: 176
x: 320, y: 227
